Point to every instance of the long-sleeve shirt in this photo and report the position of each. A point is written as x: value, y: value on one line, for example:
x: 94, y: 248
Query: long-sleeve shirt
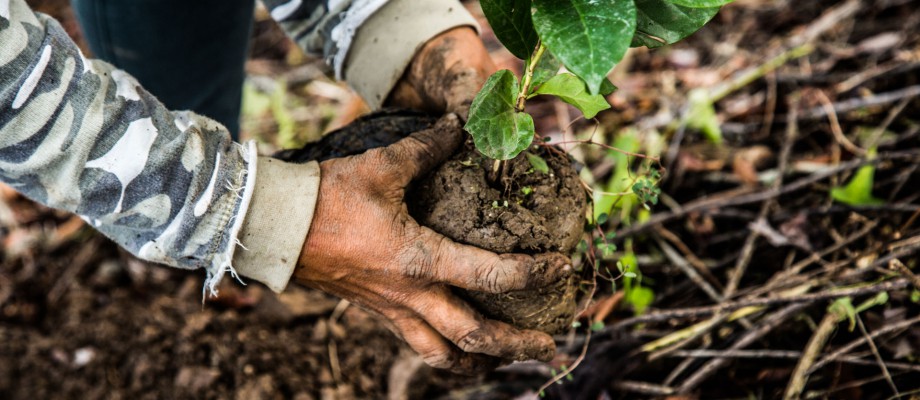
x: 171, y: 186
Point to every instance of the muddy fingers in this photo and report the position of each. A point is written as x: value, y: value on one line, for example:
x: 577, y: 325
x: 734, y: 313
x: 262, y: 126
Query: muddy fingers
x: 415, y: 155
x: 472, y: 268
x: 438, y: 352
x: 472, y: 333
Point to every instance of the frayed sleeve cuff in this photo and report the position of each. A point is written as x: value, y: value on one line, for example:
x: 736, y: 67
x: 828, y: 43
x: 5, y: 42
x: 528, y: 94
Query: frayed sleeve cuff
x: 277, y: 221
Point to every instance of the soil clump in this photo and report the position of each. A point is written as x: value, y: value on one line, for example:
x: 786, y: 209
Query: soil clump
x: 526, y: 211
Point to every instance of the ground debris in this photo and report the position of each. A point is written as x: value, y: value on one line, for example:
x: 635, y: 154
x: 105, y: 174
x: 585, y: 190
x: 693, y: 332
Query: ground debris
x: 746, y: 255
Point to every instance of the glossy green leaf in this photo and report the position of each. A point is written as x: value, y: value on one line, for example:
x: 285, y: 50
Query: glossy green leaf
x: 588, y: 36
x: 859, y: 191
x: 572, y: 90
x: 499, y: 131
x: 512, y: 23
x: 547, y: 67
x: 701, y: 3
x: 661, y: 22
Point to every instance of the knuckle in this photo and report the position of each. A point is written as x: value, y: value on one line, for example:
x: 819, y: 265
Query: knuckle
x: 500, y: 277
x: 390, y: 155
x: 422, y: 147
x: 416, y: 260
x: 441, y: 358
x: 384, y: 164
x: 473, y: 341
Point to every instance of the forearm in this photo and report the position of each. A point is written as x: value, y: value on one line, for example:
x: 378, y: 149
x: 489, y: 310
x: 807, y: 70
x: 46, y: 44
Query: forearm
x: 368, y: 43
x: 80, y: 135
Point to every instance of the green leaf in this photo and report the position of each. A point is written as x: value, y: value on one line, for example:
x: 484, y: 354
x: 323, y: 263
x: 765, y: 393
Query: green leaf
x: 547, y: 67
x: 701, y: 3
x: 597, y: 325
x: 589, y: 36
x: 640, y: 297
x: 537, y: 162
x: 661, y: 22
x: 607, y: 87
x: 571, y: 89
x: 843, y: 309
x: 702, y: 115
x: 512, y: 23
x: 859, y: 191
x: 499, y: 131
x: 879, y: 299
x: 602, y: 219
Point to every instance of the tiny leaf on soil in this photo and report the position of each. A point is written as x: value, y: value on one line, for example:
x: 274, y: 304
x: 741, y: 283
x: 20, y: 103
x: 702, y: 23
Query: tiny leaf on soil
x: 843, y: 308
x: 702, y: 115
x: 498, y: 130
x: 662, y: 22
x: 588, y: 36
x: 538, y: 163
x: 572, y: 90
x: 701, y: 3
x: 512, y: 23
x: 640, y: 297
x: 859, y: 191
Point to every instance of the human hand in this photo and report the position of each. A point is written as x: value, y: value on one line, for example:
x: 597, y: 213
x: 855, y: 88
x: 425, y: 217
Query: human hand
x: 445, y: 74
x: 364, y: 247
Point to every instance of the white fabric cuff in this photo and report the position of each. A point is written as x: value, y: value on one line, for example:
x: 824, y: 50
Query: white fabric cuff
x: 277, y: 221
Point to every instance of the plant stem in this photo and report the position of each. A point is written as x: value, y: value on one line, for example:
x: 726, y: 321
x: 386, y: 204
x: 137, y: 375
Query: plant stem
x: 755, y: 73
x: 528, y: 75
x: 496, y: 164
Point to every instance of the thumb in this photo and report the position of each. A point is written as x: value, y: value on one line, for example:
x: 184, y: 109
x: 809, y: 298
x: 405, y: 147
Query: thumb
x: 420, y: 152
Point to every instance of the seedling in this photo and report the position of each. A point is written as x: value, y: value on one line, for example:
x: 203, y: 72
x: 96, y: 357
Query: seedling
x: 588, y: 38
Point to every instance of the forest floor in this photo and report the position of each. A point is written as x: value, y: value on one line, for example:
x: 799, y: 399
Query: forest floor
x: 778, y: 262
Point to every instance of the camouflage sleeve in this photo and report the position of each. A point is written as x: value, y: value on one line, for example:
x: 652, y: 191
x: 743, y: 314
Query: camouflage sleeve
x: 83, y: 136
x: 323, y: 27
x: 369, y: 43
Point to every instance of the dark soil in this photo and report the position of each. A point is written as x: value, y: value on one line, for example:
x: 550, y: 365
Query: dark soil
x: 80, y: 319
x: 527, y: 212
x: 85, y: 321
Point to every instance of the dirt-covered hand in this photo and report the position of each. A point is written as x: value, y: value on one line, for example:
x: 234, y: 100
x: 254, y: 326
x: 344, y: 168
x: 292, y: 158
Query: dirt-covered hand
x: 364, y: 247
x: 445, y: 74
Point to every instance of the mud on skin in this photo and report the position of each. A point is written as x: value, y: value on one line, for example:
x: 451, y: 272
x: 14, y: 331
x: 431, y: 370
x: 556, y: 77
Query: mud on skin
x: 459, y: 202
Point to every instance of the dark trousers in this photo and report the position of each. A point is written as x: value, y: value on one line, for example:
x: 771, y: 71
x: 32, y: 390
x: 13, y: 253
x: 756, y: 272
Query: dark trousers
x: 188, y: 53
